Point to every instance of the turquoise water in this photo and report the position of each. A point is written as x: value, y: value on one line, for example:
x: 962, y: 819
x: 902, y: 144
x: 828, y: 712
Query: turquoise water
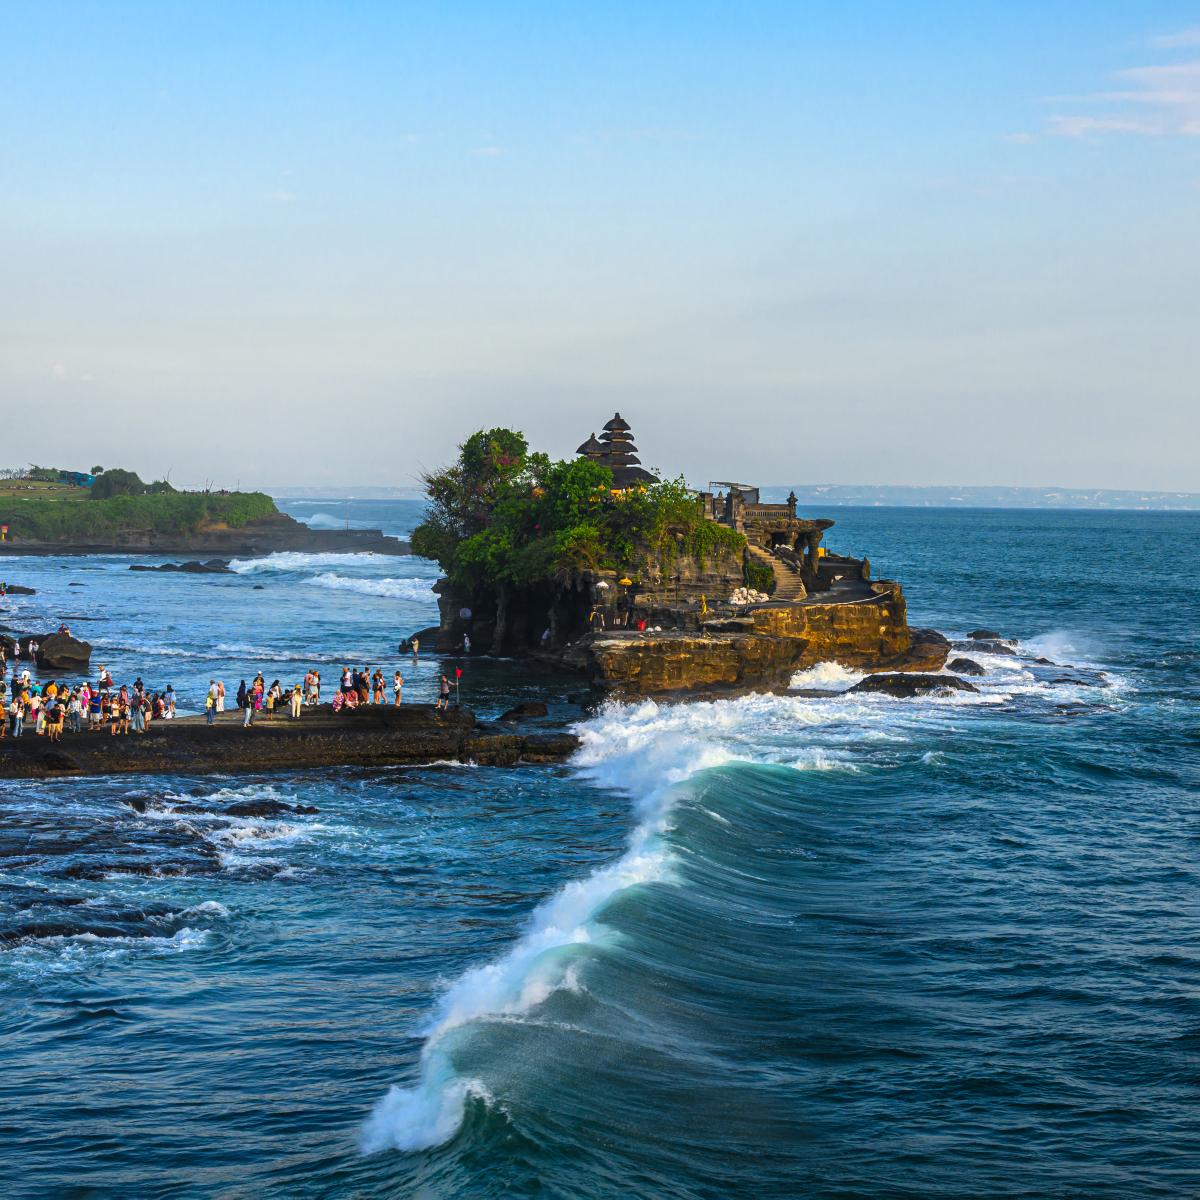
x: 818, y: 947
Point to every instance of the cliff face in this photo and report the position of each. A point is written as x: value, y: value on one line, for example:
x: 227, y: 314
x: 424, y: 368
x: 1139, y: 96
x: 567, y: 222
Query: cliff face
x: 761, y: 650
x: 263, y: 536
x: 505, y: 620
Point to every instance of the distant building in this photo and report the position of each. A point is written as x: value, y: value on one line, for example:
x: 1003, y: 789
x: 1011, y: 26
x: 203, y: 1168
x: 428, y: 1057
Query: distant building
x: 76, y: 478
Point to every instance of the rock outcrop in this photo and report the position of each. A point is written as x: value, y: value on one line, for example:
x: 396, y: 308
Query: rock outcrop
x: 905, y: 687
x: 215, y: 566
x: 62, y: 652
x: 965, y: 666
x: 758, y: 651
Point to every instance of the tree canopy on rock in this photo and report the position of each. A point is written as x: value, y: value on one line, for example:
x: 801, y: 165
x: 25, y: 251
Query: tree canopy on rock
x: 502, y: 514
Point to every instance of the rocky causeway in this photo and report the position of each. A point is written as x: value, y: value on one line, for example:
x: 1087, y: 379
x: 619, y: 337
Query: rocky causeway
x: 370, y: 736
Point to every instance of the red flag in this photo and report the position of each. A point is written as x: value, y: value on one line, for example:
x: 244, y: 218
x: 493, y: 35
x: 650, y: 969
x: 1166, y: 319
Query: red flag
x: 458, y: 672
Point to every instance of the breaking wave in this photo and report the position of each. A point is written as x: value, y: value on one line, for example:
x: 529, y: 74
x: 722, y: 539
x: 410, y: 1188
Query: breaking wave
x: 419, y: 590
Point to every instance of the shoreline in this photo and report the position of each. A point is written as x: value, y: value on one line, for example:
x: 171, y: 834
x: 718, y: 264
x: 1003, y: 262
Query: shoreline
x: 266, y: 535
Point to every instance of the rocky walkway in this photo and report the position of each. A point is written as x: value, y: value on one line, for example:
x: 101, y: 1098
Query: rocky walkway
x: 374, y: 735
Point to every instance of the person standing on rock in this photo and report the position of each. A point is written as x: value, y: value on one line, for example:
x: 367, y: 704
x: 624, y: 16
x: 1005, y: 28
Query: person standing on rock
x: 466, y: 643
x: 169, y: 700
x: 416, y: 645
x: 397, y: 687
x: 297, y: 699
x: 314, y: 688
x: 220, y: 696
x: 444, y: 693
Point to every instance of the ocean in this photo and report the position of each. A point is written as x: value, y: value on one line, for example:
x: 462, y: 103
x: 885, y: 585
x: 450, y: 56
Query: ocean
x: 820, y: 946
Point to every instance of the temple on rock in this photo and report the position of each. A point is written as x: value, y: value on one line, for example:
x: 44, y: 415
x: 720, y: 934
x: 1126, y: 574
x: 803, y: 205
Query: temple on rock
x: 615, y: 450
x: 775, y: 537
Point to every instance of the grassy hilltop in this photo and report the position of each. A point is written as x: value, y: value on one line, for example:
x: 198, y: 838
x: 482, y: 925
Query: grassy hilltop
x: 52, y: 520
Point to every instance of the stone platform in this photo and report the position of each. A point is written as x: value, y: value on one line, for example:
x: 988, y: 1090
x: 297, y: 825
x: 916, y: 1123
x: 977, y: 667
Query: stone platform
x: 374, y: 735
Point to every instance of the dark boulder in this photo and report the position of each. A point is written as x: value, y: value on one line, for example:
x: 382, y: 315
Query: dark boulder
x: 268, y: 808
x: 965, y: 666
x: 984, y: 635
x: 15, y: 590
x: 528, y: 708
x: 908, y: 685
x: 62, y: 652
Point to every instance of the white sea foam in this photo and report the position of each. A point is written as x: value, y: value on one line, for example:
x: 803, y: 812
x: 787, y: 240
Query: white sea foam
x: 541, y: 962
x: 830, y: 675
x: 647, y: 751
x: 294, y: 560
x: 420, y: 590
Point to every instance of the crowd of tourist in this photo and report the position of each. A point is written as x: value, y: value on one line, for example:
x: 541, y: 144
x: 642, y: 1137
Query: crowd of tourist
x: 50, y: 707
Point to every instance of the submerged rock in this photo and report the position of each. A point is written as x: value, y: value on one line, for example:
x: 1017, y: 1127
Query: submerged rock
x: 906, y: 686
x: 214, y: 566
x: 986, y: 648
x: 528, y: 708
x: 965, y: 666
x: 268, y: 808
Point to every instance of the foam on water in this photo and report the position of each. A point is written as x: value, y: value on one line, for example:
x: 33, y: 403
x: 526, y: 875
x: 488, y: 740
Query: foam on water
x: 420, y: 590
x: 295, y: 560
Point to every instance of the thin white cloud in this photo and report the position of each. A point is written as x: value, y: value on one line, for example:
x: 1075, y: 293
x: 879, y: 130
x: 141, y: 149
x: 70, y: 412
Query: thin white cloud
x: 1168, y: 97
x: 1082, y: 126
x: 487, y: 151
x: 1189, y: 37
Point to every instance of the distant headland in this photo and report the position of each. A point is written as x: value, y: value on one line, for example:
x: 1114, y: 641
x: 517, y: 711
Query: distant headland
x: 113, y: 512
x: 870, y: 495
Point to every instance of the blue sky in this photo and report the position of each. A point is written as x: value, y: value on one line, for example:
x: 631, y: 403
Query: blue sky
x: 902, y: 243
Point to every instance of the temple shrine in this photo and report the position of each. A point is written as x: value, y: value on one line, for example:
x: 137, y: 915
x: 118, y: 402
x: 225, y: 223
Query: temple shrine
x: 615, y: 450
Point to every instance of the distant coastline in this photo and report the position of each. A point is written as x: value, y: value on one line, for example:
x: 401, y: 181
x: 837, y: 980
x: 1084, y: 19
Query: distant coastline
x: 870, y: 495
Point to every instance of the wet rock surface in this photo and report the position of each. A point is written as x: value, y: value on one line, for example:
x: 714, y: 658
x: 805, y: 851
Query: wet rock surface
x: 965, y: 666
x: 986, y: 648
x: 907, y: 686
x: 215, y: 566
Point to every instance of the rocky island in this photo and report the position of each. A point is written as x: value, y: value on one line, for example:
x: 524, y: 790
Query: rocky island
x: 645, y: 587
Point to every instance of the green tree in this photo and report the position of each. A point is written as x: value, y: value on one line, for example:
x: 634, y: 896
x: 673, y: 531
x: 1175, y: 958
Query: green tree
x: 116, y: 482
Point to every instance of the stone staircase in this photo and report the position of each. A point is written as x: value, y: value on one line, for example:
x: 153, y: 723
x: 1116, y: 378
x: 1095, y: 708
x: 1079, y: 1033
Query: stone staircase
x: 789, y: 587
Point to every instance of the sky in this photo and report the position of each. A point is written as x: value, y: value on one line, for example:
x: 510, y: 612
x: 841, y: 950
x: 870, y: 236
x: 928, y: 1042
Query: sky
x: 319, y: 244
